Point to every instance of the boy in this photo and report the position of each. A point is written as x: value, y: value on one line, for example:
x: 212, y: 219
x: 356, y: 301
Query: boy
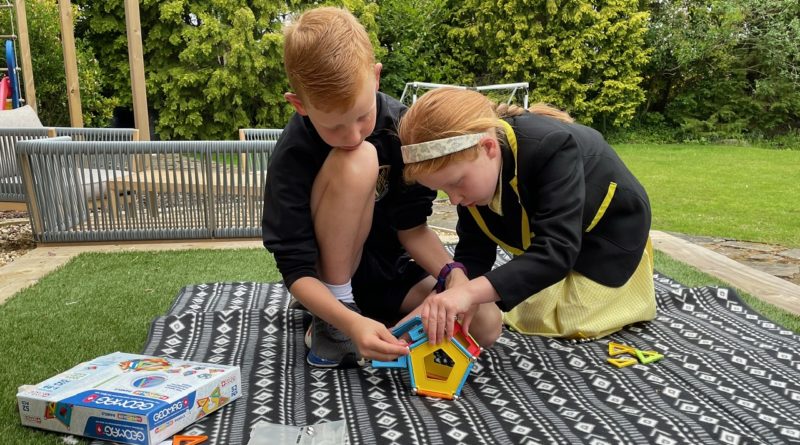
x: 338, y: 217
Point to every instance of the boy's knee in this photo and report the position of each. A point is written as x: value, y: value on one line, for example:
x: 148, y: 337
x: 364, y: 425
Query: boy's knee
x: 353, y: 169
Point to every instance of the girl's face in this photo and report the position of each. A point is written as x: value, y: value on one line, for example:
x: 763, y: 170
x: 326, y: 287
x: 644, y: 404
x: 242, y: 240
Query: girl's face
x: 469, y: 183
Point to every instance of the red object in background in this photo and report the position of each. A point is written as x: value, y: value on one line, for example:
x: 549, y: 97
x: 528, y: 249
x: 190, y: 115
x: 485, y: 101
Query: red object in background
x: 5, y: 88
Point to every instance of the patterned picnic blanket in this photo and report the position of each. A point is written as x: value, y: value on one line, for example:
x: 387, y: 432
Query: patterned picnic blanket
x: 729, y: 376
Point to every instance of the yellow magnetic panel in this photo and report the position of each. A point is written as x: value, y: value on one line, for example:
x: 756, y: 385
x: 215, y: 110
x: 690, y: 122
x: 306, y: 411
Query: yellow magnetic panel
x: 435, y: 370
x: 428, y: 385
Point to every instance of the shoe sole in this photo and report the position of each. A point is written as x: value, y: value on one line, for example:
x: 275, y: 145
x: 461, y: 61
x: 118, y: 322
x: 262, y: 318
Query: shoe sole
x: 319, y: 362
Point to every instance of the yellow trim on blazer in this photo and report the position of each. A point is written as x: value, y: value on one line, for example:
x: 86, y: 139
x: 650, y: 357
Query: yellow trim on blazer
x: 612, y: 187
x: 526, y: 230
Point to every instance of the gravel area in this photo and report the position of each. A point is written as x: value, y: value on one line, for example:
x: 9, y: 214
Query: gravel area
x: 15, y: 236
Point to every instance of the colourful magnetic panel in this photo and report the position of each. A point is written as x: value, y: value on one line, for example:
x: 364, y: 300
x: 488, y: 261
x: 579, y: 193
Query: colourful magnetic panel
x: 464, y: 379
x: 438, y: 395
x: 622, y: 362
x: 466, y: 340
x: 615, y: 349
x: 407, y: 326
x: 434, y: 370
x: 418, y: 368
x: 401, y: 362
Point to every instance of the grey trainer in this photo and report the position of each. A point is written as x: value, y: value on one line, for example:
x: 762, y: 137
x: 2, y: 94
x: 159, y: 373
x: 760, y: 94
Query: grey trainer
x: 329, y: 347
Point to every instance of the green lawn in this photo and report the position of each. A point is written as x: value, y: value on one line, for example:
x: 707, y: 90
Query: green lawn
x: 743, y: 193
x: 96, y: 304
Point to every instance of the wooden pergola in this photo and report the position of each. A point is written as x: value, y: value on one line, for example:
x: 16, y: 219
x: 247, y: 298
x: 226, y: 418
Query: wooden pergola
x: 135, y: 57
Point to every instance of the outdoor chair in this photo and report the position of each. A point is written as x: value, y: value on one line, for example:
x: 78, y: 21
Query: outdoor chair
x: 11, y: 187
x: 258, y: 134
x: 189, y: 189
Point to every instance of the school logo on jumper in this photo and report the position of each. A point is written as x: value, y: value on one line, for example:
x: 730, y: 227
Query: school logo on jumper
x: 382, y: 185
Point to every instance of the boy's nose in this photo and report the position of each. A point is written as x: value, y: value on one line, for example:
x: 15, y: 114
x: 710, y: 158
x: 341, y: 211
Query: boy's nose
x: 354, y: 137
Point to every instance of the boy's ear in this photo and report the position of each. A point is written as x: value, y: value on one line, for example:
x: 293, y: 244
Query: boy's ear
x: 294, y: 99
x: 378, y: 67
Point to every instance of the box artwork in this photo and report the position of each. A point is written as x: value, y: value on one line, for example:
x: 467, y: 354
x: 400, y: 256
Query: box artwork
x: 129, y: 398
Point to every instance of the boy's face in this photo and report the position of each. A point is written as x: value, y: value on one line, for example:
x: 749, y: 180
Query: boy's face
x: 345, y: 130
x: 469, y: 182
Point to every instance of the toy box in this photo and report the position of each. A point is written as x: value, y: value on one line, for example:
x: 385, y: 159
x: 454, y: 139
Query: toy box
x: 129, y: 398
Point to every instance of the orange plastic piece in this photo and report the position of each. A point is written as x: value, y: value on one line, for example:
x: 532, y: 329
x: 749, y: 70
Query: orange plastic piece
x: 438, y: 395
x: 188, y: 440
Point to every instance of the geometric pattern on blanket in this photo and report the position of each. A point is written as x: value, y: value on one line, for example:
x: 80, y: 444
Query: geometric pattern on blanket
x: 729, y: 376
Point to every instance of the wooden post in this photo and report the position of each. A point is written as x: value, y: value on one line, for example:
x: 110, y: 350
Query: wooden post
x: 25, y: 54
x: 70, y: 63
x: 136, y: 60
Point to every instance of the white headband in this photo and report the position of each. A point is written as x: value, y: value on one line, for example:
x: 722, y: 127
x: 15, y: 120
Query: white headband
x: 439, y: 147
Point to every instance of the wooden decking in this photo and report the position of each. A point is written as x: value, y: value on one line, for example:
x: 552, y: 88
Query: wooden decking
x: 764, y: 286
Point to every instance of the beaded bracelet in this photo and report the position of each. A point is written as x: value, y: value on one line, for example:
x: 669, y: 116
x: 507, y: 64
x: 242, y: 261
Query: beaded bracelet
x: 440, y: 280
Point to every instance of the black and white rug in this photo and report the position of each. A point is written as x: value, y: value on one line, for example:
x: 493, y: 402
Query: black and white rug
x: 729, y: 376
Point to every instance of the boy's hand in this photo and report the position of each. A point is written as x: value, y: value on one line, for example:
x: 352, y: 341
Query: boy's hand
x: 376, y: 342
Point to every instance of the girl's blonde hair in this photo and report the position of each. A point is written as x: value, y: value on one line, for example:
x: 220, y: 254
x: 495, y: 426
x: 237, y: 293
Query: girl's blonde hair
x: 448, y: 112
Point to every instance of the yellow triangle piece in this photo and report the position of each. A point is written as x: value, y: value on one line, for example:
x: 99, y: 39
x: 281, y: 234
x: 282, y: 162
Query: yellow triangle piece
x: 619, y: 348
x: 646, y: 357
x: 188, y: 440
x: 622, y: 362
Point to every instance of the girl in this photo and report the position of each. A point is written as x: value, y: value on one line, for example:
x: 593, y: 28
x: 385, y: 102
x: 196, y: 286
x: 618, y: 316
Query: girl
x: 552, y: 193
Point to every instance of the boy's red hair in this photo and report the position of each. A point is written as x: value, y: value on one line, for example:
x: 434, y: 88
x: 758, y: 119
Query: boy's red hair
x: 327, y: 55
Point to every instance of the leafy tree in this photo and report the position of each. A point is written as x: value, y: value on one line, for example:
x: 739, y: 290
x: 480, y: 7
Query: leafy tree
x: 48, y: 69
x: 725, y: 68
x: 584, y: 56
x: 216, y: 67
x: 211, y: 67
x: 413, y: 42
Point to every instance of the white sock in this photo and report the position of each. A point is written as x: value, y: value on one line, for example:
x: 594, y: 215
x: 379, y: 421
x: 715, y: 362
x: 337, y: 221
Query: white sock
x: 342, y: 292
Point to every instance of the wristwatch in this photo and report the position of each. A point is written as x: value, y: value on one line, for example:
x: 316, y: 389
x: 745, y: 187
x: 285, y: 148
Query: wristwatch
x: 440, y: 280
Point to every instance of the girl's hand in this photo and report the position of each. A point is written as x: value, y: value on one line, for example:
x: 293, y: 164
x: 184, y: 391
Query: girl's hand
x: 440, y: 311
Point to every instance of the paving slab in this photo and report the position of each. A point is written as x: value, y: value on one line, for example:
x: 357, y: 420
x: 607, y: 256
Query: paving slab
x: 762, y: 285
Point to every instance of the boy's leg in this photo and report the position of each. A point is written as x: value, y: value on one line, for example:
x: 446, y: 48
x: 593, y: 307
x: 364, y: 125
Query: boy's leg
x: 342, y: 203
